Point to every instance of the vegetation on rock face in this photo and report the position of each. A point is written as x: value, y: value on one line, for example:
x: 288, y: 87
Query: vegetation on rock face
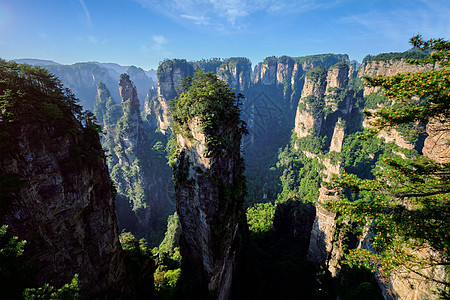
x: 23, y: 89
x: 317, y: 73
x: 69, y: 291
x: 211, y: 101
x: 406, y: 206
x: 168, y: 260
x: 131, y: 166
x: 414, y: 53
x: 15, y: 277
x: 139, y: 259
x: 210, y: 185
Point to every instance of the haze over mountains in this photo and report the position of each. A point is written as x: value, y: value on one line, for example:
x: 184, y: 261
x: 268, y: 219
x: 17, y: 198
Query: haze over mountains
x: 251, y: 179
x: 82, y: 78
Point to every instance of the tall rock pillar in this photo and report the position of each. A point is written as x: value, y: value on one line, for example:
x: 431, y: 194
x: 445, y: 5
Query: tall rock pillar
x: 209, y: 184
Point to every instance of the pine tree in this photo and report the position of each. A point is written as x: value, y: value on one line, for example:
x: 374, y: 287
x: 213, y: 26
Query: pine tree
x: 406, y: 208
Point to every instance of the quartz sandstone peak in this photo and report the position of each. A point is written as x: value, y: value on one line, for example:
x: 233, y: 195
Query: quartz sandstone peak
x: 210, y: 189
x: 64, y: 205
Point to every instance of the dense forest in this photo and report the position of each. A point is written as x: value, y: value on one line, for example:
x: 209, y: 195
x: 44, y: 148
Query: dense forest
x: 306, y: 177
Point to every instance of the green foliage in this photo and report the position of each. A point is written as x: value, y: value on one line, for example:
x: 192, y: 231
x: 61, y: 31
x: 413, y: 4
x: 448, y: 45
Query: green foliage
x: 424, y: 95
x: 317, y: 73
x: 260, y: 217
x: 208, y: 65
x: 172, y: 236
x: 135, y: 250
x: 139, y: 259
x: 13, y: 275
x: 168, y: 260
x: 327, y: 60
x: 31, y: 96
x: 301, y: 175
x: 211, y: 101
x: 168, y: 271
x: 69, y: 291
x: 414, y: 53
x: 341, y: 64
x: 407, y: 204
x: 375, y: 100
x: 359, y: 156
x: 311, y: 143
x: 313, y: 105
x: 357, y: 284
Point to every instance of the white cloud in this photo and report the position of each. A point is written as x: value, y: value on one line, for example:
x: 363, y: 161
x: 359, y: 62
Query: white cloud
x: 229, y: 13
x: 156, y: 47
x: 87, y: 15
x: 196, y: 19
x: 158, y: 42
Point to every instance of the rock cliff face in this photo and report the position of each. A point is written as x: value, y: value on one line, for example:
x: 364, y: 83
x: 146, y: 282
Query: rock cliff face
x: 211, y: 228
x: 405, y: 284
x: 133, y: 134
x: 236, y: 72
x: 326, y: 104
x: 82, y: 79
x: 170, y: 73
x: 322, y: 249
x: 391, y: 67
x: 138, y: 170
x: 63, y: 203
x: 289, y: 72
x: 210, y: 189
x: 142, y: 82
x: 323, y: 90
x: 437, y: 143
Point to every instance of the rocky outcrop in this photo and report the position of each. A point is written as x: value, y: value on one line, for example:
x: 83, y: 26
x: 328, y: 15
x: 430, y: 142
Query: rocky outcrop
x: 338, y: 138
x: 322, y: 88
x: 326, y: 101
x: 294, y: 220
x: 289, y: 72
x: 142, y: 82
x: 373, y: 68
x: 170, y: 73
x: 236, y: 71
x: 437, y: 143
x: 139, y: 170
x: 62, y: 202
x: 209, y: 189
x: 133, y: 133
x: 82, y: 80
x: 152, y: 112
x: 66, y: 213
x: 211, y: 224
x: 324, y: 248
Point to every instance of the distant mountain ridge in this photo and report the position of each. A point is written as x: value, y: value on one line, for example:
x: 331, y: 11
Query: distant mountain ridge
x: 82, y: 78
x: 151, y: 73
x: 32, y: 61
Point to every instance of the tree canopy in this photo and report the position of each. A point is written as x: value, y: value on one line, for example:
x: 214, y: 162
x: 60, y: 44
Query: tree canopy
x: 406, y: 207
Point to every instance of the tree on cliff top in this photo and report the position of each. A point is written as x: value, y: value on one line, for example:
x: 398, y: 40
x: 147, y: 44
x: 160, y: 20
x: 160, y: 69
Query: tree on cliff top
x: 407, y: 206
x: 210, y: 99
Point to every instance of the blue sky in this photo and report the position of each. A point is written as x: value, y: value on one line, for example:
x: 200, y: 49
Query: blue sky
x: 145, y: 32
